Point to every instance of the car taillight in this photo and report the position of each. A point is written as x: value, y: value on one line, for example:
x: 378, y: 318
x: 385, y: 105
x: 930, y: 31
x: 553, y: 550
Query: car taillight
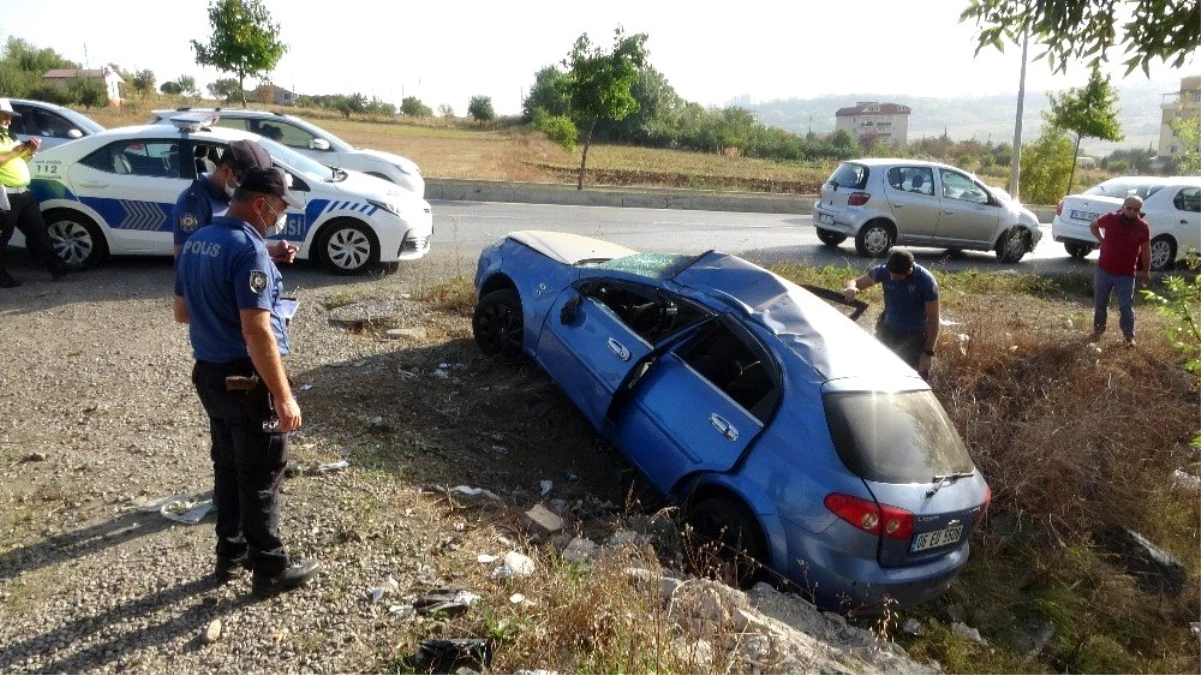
x: 1059, y: 208
x: 987, y: 500
x: 879, y: 519
x: 858, y: 198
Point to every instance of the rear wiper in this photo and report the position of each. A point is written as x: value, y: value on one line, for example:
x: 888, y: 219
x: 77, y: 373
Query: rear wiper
x: 943, y: 479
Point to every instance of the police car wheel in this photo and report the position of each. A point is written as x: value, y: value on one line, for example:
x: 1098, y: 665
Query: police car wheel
x: 77, y: 239
x: 348, y: 247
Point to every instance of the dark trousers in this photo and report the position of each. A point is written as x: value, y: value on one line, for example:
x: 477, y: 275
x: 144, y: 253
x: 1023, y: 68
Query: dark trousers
x: 26, y: 215
x: 248, y: 466
x: 907, y: 344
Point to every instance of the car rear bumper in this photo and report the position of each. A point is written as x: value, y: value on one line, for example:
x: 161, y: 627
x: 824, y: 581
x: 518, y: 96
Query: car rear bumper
x: 846, y: 221
x: 1064, y: 229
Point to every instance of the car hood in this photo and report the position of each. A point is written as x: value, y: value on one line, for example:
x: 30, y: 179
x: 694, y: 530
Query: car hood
x: 370, y: 187
x: 823, y: 337
x: 570, y: 249
x: 408, y: 164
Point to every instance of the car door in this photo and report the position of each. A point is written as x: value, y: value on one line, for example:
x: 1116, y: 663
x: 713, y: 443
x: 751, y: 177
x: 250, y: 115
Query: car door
x: 133, y: 184
x: 910, y: 194
x: 969, y: 217
x: 699, y: 406
x: 50, y: 128
x: 1186, y: 219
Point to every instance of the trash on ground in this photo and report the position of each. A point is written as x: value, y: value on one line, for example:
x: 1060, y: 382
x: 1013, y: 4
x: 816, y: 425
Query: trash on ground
x: 294, y: 469
x: 515, y: 565
x: 517, y: 598
x: 441, y: 374
x: 963, y: 631
x: 485, y: 558
x: 212, y: 632
x: 437, y: 655
x: 449, y: 600
x: 475, y: 492
x: 403, y: 611
x: 1187, y: 481
x: 186, y: 509
x: 304, y: 387
x: 389, y: 585
x: 546, y: 486
x: 500, y: 450
x: 580, y: 550
x: 34, y: 457
x: 545, y: 519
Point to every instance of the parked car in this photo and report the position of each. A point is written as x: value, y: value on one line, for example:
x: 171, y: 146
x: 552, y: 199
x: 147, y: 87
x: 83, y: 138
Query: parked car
x: 51, y: 123
x: 112, y: 193
x: 881, y: 202
x: 785, y: 430
x: 314, y: 142
x: 1171, y: 206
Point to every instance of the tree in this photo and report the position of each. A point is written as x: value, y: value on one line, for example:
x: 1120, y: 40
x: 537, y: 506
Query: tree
x: 1043, y: 164
x: 480, y: 108
x: 143, y: 81
x: 1087, y: 29
x: 1088, y: 111
x: 88, y: 92
x: 187, y: 85
x: 598, y: 83
x: 1188, y: 155
x: 225, y: 89
x: 411, y: 106
x: 547, y: 94
x: 171, y: 88
x: 244, y: 41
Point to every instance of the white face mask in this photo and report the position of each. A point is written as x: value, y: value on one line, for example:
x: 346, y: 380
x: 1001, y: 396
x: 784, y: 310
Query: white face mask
x: 278, y: 226
x: 229, y: 191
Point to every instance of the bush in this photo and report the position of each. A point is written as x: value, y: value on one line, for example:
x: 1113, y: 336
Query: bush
x: 480, y: 108
x: 558, y: 128
x: 411, y: 106
x: 1046, y: 165
x: 88, y: 92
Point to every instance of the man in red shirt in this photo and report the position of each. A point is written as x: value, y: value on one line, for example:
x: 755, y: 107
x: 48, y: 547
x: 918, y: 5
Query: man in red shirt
x: 1124, y: 238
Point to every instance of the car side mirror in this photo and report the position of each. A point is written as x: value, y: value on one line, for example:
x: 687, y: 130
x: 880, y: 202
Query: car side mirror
x: 570, y: 309
x: 75, y: 133
x: 319, y: 144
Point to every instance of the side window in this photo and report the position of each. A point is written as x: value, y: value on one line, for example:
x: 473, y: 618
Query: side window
x: 918, y: 179
x: 157, y: 159
x: 959, y: 187
x: 17, y: 125
x: 46, y: 124
x: 649, y: 313
x: 285, y: 133
x: 231, y: 123
x: 743, y: 372
x: 1188, y: 199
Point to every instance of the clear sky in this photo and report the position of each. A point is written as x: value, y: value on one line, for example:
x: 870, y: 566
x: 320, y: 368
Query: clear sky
x: 447, y: 52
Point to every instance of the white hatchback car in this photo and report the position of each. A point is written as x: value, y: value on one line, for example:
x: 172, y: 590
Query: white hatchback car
x: 112, y: 193
x: 1171, y: 206
x: 314, y: 142
x: 881, y: 202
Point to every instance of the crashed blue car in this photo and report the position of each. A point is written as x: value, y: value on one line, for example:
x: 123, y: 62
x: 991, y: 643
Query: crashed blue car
x: 783, y: 429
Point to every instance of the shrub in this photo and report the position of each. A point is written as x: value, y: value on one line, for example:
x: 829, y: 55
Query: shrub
x: 558, y: 128
x: 411, y: 106
x: 1046, y: 165
x: 480, y: 108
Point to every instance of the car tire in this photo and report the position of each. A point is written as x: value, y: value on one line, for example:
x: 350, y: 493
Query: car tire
x: 1163, y: 253
x: 76, y: 238
x: 1078, y: 250
x: 723, y: 531
x: 498, y: 325
x: 1013, y: 245
x: 347, y: 246
x: 830, y: 238
x: 875, y: 238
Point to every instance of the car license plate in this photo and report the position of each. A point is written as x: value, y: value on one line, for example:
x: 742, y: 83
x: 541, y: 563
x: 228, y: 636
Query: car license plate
x: 943, y: 537
x: 825, y: 219
x: 1084, y: 215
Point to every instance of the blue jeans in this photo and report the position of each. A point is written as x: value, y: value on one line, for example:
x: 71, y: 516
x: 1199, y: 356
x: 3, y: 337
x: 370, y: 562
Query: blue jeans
x: 1104, y: 284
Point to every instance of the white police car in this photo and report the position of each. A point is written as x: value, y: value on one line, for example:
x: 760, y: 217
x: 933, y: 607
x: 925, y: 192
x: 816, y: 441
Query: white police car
x: 312, y: 141
x: 112, y: 193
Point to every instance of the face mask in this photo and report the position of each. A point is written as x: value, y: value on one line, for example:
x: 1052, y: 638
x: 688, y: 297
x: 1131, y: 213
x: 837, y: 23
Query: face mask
x: 276, y: 227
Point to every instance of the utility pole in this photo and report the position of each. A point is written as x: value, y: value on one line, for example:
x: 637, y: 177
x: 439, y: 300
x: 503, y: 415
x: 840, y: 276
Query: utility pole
x: 1015, y: 169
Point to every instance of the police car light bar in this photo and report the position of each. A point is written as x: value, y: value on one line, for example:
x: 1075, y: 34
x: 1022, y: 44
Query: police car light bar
x: 195, y: 121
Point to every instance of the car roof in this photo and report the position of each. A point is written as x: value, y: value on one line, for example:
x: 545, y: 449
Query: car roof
x: 889, y: 161
x: 1157, y: 180
x: 161, y: 130
x: 225, y: 112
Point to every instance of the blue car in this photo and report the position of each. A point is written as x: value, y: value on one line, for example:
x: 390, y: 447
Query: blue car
x: 783, y: 429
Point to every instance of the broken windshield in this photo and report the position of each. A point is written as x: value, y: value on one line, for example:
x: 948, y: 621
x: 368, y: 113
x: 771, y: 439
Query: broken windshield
x: 658, y: 266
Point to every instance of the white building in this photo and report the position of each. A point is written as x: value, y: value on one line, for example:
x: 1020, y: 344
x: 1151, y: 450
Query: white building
x: 1183, y: 103
x: 884, y: 122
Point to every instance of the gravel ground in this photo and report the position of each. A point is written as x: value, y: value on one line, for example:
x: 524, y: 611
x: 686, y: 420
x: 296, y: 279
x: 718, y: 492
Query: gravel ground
x: 97, y: 416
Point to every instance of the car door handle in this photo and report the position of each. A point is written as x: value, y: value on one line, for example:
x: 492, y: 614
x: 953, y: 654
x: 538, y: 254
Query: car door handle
x: 945, y: 212
x: 898, y: 206
x: 619, y: 350
x: 92, y: 184
x: 727, y: 430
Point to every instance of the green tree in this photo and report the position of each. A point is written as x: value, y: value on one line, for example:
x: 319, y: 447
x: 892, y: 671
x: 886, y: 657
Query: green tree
x: 244, y: 41
x: 547, y: 94
x: 1188, y: 154
x: 598, y: 83
x: 143, y: 81
x: 412, y: 106
x: 1088, y: 111
x: 187, y: 85
x: 225, y: 89
x: 171, y: 88
x: 480, y: 108
x: 1087, y: 29
x: 1044, y: 163
x: 88, y: 92
x: 558, y: 128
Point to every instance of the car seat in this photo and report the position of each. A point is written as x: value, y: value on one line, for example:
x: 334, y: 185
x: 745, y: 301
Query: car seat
x: 121, y: 164
x: 203, y: 163
x: 918, y: 184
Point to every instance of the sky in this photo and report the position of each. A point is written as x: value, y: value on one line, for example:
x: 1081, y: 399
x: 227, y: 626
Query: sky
x: 445, y: 53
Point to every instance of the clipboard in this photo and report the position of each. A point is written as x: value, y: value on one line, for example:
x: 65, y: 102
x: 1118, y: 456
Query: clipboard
x: 287, y: 307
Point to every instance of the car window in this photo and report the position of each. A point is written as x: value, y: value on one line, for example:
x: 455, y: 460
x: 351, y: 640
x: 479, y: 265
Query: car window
x: 282, y: 132
x: 1188, y: 199
x: 307, y: 166
x: 1124, y: 188
x: 918, y: 179
x: 158, y: 159
x: 895, y: 437
x: 651, y: 313
x: 232, y: 123
x: 849, y: 175
x: 651, y: 265
x: 959, y: 187
x: 39, y: 122
x: 735, y: 364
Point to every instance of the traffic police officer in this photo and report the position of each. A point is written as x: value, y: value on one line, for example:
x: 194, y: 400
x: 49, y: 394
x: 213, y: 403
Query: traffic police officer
x: 18, y: 208
x: 228, y: 290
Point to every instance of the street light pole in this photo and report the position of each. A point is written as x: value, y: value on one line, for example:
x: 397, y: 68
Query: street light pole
x: 1015, y: 168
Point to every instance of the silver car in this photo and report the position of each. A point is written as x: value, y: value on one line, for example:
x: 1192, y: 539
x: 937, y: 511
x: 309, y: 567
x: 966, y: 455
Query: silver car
x: 881, y: 202
x: 50, y: 123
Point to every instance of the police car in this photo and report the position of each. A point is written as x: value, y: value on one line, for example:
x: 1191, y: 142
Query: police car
x: 112, y: 193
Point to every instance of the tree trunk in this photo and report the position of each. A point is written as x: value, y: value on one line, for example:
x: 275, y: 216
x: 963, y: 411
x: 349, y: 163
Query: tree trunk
x: 584, y: 160
x: 1015, y: 167
x: 242, y: 87
x: 1072, y: 174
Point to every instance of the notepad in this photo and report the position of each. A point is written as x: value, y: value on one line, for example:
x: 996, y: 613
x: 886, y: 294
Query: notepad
x: 288, y: 307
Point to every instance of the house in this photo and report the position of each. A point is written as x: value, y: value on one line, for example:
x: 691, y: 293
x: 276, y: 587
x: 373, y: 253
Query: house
x: 1185, y: 103
x: 113, y: 83
x: 269, y: 93
x: 867, y: 120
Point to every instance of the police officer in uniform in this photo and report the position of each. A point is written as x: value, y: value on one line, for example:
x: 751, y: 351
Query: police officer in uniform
x: 208, y: 196
x: 228, y: 290
x: 18, y: 208
x: 910, y: 323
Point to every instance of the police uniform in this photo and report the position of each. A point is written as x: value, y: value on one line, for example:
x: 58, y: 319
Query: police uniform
x: 196, y: 207
x: 22, y: 210
x: 903, y: 324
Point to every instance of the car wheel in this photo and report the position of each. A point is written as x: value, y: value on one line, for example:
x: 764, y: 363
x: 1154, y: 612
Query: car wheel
x: 348, y: 247
x: 1013, y: 245
x: 498, y: 325
x: 1163, y: 253
x: 726, y: 540
x: 830, y: 238
x: 874, y: 239
x: 1078, y: 249
x: 77, y: 239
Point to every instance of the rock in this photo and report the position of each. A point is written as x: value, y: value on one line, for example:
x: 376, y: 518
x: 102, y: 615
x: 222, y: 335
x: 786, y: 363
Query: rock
x: 34, y: 457
x: 415, y: 334
x: 545, y: 519
x: 912, y: 627
x: 1154, y: 569
x: 626, y: 537
x: 213, y: 632
x: 1038, y: 642
x: 1186, y: 481
x: 515, y: 565
x: 963, y: 631
x: 580, y: 550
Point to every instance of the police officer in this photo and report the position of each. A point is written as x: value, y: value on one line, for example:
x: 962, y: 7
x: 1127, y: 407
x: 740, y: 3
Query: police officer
x: 910, y: 322
x: 228, y: 290
x: 208, y: 196
x: 18, y: 208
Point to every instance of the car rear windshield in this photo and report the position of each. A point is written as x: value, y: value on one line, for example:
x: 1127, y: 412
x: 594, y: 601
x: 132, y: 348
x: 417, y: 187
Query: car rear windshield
x: 651, y: 265
x: 895, y: 438
x: 849, y: 175
x: 1123, y: 189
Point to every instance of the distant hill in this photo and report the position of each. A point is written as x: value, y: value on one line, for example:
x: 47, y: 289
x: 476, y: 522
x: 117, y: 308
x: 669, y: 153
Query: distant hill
x: 982, y: 118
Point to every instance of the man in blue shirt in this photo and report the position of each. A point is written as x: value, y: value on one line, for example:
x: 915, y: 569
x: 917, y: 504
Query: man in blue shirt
x: 910, y: 322
x: 227, y: 289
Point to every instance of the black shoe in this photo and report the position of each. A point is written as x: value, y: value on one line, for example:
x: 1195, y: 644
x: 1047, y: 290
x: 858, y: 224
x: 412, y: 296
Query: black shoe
x: 227, y: 568
x: 293, y: 576
x: 6, y: 280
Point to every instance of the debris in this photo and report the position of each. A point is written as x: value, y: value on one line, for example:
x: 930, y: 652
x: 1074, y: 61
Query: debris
x: 330, y: 467
x: 559, y: 506
x: 460, y: 527
x: 449, y: 544
x: 294, y: 469
x: 515, y: 565
x: 580, y: 550
x: 304, y: 387
x: 485, y: 558
x: 1040, y: 639
x: 500, y: 450
x: 212, y: 632
x: 626, y: 537
x: 1093, y: 348
x: 963, y: 631
x: 947, y: 322
x: 375, y: 422
x: 545, y: 519
x: 441, y: 374
x: 188, y: 510
x: 517, y: 598
x: 546, y: 486
x: 34, y: 457
x: 1186, y: 481
x: 436, y: 655
x: 1069, y: 324
x: 572, y: 477
x: 389, y: 585
x: 912, y: 627
x: 448, y: 600
x: 1154, y: 569
x: 403, y: 611
x: 406, y: 333
x: 475, y: 492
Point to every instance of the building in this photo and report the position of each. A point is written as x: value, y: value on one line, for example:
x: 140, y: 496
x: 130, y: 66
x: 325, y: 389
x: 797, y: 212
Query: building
x: 114, y: 85
x: 873, y: 122
x: 1185, y: 103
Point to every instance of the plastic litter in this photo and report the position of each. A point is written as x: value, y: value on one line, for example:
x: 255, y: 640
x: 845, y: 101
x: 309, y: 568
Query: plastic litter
x: 515, y: 565
x: 389, y: 585
x: 546, y: 486
x: 485, y: 558
x: 475, y: 492
x: 436, y: 655
x: 448, y: 600
x: 517, y: 598
x: 186, y: 509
